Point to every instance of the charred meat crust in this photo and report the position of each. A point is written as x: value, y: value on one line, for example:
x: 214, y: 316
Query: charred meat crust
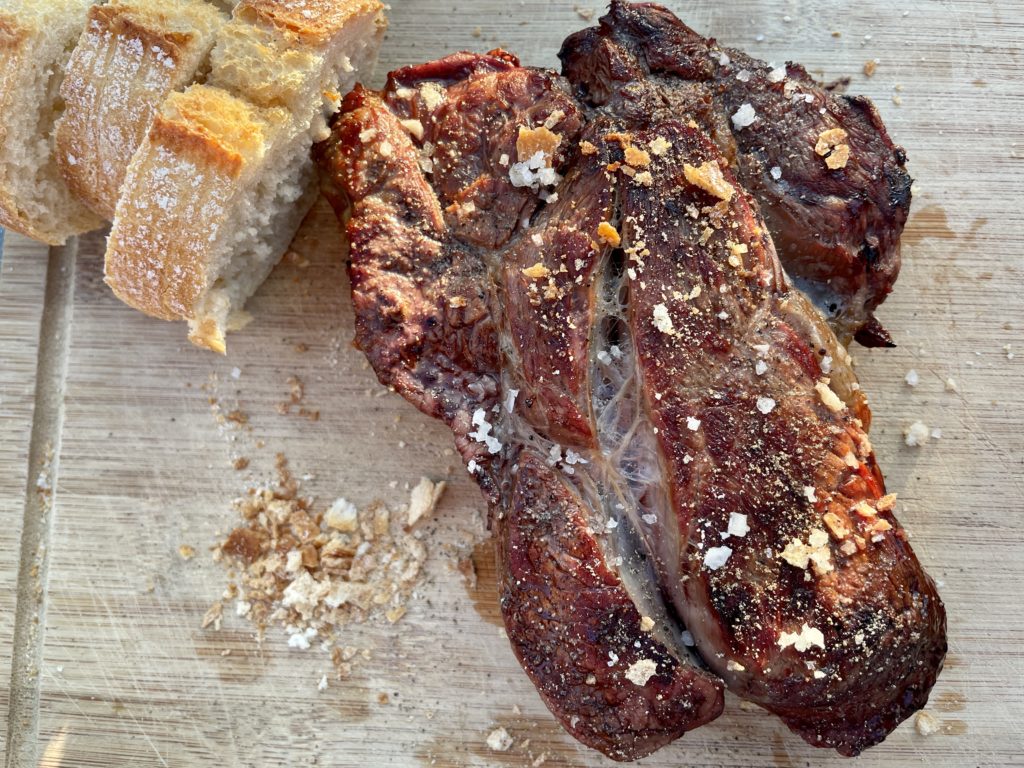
x: 836, y: 229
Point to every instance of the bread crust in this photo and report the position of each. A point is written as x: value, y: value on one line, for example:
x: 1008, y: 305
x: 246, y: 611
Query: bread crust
x: 183, y: 215
x: 34, y: 39
x: 310, y: 22
x: 131, y: 55
x: 200, y: 145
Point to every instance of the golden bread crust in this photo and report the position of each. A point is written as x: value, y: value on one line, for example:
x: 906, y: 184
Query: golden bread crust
x: 131, y: 55
x: 177, y: 196
x: 310, y: 22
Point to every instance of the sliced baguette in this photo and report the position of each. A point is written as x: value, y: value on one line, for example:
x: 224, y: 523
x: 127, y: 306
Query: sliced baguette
x: 132, y: 54
x: 36, y: 38
x: 203, y: 217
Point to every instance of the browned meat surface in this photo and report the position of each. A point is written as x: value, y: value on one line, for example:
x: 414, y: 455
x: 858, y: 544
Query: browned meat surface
x: 830, y: 182
x: 432, y: 209
x: 669, y: 435
x: 815, y: 607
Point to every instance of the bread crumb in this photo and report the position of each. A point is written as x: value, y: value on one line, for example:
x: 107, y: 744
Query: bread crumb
x: 342, y: 515
x: 433, y: 95
x: 423, y: 499
x: 414, y: 128
x: 313, y: 573
x: 815, y: 552
x: 734, y: 666
x: 925, y: 723
x: 637, y: 158
x: 646, y: 623
x: 587, y: 148
x: 831, y: 146
x: 537, y: 272
x: 606, y: 233
x: 534, y: 140
x: 828, y: 397
x: 499, y: 740
x: 186, y: 552
x: 838, y: 158
x: 639, y: 672
x: 710, y: 178
x: 660, y: 146
x: 870, y: 66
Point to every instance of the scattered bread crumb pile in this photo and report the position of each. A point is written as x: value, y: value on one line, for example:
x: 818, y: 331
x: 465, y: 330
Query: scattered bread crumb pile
x: 312, y: 572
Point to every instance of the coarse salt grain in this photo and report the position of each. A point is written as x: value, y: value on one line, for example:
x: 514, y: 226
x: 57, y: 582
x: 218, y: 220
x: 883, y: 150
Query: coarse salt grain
x: 765, y: 405
x: 776, y: 172
x: 803, y: 640
x: 737, y: 525
x: 917, y: 434
x: 744, y: 116
x: 692, y: 424
x: 716, y: 557
x: 912, y: 378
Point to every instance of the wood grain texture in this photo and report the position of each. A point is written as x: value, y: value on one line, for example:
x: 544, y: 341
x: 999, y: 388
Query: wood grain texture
x: 129, y: 678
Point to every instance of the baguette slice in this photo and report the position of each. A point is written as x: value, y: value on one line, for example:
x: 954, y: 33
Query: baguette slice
x: 203, y: 218
x: 130, y: 57
x: 36, y: 38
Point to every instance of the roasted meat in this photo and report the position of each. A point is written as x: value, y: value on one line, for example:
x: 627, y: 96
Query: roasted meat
x: 669, y: 435
x: 426, y: 168
x: 830, y: 182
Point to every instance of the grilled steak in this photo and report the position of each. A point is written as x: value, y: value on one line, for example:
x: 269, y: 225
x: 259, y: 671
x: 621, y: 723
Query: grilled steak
x: 668, y: 434
x: 426, y: 167
x: 831, y: 184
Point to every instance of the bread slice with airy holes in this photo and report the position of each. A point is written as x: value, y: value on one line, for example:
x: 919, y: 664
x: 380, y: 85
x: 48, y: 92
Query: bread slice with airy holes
x: 36, y: 38
x: 216, y: 192
x: 132, y: 54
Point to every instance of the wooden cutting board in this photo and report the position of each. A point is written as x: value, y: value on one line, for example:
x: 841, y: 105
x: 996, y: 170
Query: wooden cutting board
x: 110, y: 666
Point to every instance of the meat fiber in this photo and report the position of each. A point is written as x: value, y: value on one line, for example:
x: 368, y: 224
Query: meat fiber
x: 668, y: 434
x: 830, y: 182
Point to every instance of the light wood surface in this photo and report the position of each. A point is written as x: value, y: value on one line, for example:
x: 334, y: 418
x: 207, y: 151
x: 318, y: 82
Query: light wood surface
x: 128, y: 678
